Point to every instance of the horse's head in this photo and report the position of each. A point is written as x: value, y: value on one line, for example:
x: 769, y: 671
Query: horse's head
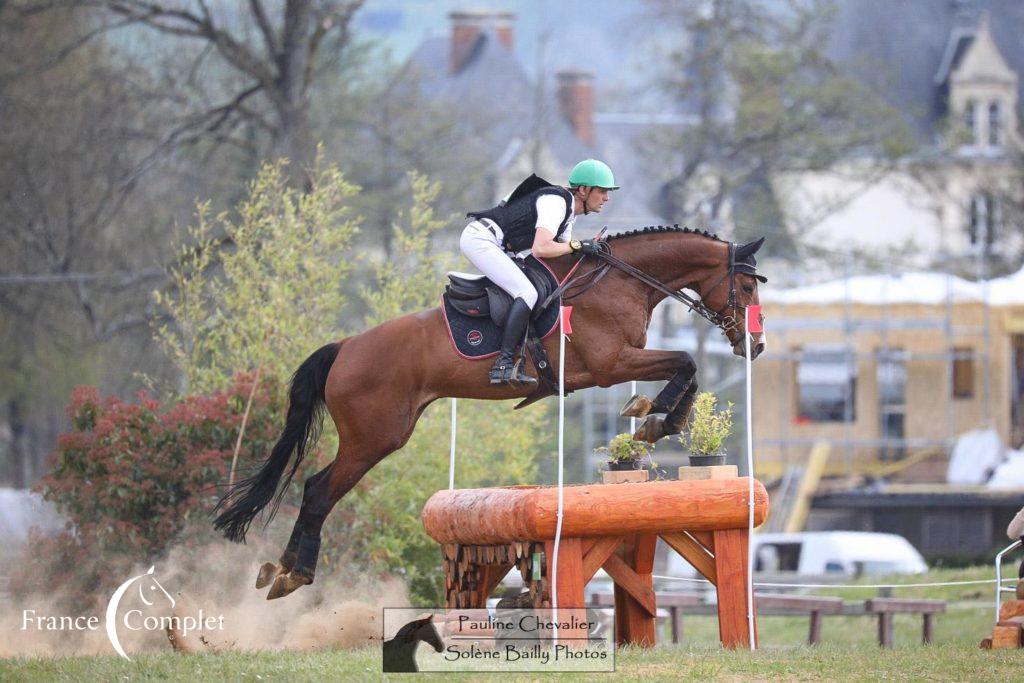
x: 429, y: 635
x: 728, y: 289
x: 420, y: 630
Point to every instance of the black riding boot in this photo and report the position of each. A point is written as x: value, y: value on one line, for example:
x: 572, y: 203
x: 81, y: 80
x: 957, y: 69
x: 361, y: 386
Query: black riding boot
x: 506, y: 370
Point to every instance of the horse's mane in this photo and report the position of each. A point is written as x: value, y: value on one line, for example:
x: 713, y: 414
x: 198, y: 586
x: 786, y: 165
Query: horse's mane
x: 654, y: 229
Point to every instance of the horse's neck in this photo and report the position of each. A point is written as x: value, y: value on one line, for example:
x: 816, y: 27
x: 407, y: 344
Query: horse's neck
x: 671, y: 258
x: 674, y: 259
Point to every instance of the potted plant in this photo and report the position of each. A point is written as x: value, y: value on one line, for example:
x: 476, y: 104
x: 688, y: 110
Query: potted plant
x: 626, y: 453
x: 708, y: 430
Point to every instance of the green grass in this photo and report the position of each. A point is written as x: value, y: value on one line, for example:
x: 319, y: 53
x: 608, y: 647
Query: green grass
x: 848, y: 652
x: 830, y: 662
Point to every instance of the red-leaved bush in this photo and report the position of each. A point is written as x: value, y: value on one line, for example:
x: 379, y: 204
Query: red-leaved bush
x: 131, y: 478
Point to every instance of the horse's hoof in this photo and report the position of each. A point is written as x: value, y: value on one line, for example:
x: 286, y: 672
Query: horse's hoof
x: 651, y: 429
x: 268, y: 572
x: 638, y: 406
x: 287, y: 583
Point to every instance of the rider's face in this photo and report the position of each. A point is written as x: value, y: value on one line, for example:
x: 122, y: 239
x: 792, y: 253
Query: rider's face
x: 594, y: 198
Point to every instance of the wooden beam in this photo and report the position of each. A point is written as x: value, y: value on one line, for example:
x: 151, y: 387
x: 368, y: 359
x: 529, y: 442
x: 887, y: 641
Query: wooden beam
x: 705, y: 538
x: 627, y: 579
x: 694, y: 553
x: 501, y: 515
x: 597, y: 554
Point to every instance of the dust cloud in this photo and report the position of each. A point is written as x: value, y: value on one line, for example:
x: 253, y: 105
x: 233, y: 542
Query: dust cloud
x: 339, y: 611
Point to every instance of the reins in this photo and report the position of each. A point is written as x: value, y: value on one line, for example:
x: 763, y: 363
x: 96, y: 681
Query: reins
x: 592, y: 277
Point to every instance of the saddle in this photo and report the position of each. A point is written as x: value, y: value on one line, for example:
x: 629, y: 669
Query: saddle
x: 476, y: 296
x: 475, y: 310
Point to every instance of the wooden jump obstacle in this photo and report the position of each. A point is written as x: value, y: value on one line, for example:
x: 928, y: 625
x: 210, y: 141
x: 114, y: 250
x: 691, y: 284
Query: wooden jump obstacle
x: 485, y: 532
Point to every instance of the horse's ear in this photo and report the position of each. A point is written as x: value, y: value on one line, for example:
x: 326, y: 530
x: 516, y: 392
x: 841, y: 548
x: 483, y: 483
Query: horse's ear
x: 749, y: 249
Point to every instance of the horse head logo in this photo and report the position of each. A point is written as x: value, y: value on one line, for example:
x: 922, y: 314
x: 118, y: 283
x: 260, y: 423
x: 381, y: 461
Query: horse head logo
x: 150, y: 590
x: 400, y: 651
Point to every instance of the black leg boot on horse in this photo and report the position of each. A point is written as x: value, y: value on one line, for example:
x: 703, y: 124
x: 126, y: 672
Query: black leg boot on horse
x: 507, y: 368
x: 270, y: 570
x: 655, y: 427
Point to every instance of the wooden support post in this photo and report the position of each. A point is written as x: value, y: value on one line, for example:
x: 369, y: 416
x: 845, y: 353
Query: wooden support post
x: 731, y: 571
x: 677, y: 624
x: 633, y: 575
x: 814, y: 637
x: 885, y: 629
x: 570, y: 586
x: 926, y: 635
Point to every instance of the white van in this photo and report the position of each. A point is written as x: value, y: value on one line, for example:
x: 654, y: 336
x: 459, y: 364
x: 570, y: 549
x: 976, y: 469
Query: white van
x: 825, y: 553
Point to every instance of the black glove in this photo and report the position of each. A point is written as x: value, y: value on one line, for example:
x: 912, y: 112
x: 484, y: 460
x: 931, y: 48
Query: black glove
x: 590, y: 247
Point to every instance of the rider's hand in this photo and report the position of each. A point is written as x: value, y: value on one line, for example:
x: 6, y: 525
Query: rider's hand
x: 587, y: 247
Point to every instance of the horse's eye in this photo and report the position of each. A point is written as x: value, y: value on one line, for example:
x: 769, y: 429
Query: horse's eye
x: 749, y: 289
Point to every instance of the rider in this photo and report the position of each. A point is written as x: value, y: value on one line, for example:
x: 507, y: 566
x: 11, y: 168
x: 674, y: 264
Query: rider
x: 539, y: 221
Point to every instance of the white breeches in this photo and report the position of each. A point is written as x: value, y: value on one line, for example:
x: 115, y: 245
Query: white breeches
x: 481, y: 244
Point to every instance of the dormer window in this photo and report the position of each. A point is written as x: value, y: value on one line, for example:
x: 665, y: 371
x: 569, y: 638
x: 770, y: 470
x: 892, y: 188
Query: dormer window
x: 970, y: 114
x: 984, y: 222
x: 995, y: 125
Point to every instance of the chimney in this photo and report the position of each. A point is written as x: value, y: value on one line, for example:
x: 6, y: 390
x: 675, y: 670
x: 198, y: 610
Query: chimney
x: 504, y: 28
x: 468, y: 26
x: 576, y: 101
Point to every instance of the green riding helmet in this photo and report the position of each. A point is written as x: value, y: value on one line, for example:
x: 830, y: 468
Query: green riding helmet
x: 592, y: 173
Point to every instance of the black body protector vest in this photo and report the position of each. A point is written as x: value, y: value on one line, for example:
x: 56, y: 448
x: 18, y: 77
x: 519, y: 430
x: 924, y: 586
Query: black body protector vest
x: 517, y: 217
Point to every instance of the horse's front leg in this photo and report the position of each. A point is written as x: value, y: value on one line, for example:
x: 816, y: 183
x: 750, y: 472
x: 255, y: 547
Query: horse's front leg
x: 684, y: 371
x: 655, y: 427
x: 649, y: 365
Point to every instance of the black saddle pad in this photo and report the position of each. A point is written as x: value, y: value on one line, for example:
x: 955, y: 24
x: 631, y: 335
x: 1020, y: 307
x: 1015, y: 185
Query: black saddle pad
x: 480, y: 337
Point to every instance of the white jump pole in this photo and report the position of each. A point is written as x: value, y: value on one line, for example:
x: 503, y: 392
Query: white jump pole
x: 451, y: 457
x: 751, y: 325
x: 564, y: 329
x: 632, y: 420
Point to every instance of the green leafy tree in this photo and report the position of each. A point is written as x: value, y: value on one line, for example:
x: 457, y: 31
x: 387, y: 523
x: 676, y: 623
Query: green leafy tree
x: 275, y: 295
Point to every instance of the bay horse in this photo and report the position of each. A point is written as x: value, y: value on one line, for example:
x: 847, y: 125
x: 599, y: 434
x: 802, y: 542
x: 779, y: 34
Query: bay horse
x: 392, y: 372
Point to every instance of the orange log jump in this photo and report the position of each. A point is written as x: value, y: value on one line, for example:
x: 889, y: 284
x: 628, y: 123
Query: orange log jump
x: 485, y: 532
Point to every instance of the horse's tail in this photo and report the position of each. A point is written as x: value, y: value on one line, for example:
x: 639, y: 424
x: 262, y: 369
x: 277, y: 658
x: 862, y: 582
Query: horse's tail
x: 306, y: 406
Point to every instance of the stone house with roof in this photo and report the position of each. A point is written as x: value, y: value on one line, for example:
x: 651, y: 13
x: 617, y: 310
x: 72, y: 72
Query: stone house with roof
x: 953, y: 70
x: 532, y: 127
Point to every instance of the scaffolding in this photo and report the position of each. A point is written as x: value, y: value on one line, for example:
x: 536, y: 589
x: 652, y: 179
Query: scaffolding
x: 889, y: 328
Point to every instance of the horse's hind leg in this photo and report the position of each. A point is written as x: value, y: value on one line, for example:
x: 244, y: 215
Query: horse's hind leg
x: 297, y: 566
x: 270, y: 570
x: 338, y: 479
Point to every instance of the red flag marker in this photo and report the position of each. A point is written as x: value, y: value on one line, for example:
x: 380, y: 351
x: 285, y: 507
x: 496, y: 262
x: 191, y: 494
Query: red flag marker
x: 755, y: 321
x: 566, y: 313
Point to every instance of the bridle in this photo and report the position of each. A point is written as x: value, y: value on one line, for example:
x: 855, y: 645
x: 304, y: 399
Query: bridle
x: 725, y: 322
